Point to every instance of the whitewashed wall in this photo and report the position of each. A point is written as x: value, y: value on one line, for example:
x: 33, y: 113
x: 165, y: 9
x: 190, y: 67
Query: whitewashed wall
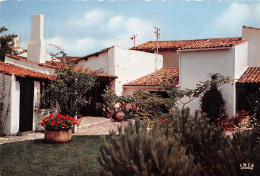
x: 253, y: 37
x: 127, y: 65
x: 241, y: 59
x: 196, y: 65
x: 11, y: 110
x: 170, y: 58
x: 96, y: 62
x: 130, y: 65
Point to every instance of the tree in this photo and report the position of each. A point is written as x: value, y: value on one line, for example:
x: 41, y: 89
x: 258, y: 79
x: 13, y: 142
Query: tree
x: 69, y: 88
x: 212, y: 101
x: 6, y: 43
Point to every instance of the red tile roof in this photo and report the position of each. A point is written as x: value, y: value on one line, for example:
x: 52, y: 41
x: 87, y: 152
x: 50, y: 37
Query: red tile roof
x: 251, y: 75
x: 22, y: 72
x: 58, y: 65
x: 164, y: 75
x: 191, y: 44
x: 69, y: 58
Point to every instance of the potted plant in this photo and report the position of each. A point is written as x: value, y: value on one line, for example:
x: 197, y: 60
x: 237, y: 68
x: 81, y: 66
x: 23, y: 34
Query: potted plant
x: 58, y: 128
x: 109, y: 100
x: 120, y: 112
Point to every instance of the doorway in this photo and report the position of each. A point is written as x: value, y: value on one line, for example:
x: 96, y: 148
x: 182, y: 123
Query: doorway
x: 26, y: 104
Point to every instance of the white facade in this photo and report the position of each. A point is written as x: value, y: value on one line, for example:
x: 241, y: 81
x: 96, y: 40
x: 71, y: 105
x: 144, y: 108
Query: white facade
x: 10, y: 115
x: 11, y: 104
x: 196, y: 65
x: 127, y: 65
x: 253, y: 37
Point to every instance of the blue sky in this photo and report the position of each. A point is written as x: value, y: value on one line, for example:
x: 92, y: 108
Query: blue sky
x: 81, y: 27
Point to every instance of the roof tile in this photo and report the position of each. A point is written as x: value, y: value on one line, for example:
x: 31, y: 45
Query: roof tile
x: 251, y: 75
x: 164, y: 75
x: 22, y: 72
x: 58, y: 65
x: 191, y: 44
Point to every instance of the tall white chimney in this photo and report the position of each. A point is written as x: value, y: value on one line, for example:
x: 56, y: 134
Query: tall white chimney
x: 36, y: 50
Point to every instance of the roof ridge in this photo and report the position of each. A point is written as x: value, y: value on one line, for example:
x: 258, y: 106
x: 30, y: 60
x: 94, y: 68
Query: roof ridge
x: 194, y: 39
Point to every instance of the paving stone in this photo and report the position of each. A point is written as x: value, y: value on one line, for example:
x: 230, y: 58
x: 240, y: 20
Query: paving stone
x: 88, y: 126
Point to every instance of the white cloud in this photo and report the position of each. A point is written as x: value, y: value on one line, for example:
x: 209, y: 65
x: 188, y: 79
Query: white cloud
x: 115, y: 22
x: 143, y: 28
x: 94, y: 17
x: 256, y: 14
x: 233, y: 18
x: 79, y: 47
x: 107, y: 27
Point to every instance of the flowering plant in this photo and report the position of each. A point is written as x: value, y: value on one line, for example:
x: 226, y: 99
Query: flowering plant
x: 56, y: 122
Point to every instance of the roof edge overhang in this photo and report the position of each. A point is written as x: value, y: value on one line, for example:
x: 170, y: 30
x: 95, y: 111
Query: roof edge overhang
x: 205, y: 49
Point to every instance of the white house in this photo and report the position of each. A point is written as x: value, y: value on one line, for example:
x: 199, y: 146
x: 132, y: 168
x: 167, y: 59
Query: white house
x: 197, y: 58
x: 20, y: 82
x: 127, y: 65
x: 180, y: 63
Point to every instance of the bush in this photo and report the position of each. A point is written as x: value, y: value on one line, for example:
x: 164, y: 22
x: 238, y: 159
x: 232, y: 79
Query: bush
x: 212, y: 102
x: 153, y: 105
x: 138, y: 152
x: 243, y: 149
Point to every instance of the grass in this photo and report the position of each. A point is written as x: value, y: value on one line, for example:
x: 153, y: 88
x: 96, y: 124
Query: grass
x: 78, y: 157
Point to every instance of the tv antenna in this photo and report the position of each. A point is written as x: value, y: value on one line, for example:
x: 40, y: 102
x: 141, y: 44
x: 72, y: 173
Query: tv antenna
x: 133, y: 38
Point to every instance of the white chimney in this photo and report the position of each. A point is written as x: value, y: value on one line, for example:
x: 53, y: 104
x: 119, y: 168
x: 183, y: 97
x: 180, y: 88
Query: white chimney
x: 36, y: 50
x: 15, y: 42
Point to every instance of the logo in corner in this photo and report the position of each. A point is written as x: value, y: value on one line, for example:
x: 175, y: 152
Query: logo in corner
x: 246, y: 166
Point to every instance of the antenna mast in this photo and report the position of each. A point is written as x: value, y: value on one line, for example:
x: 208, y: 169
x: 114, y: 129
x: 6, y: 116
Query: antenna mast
x: 157, y: 34
x: 133, y: 38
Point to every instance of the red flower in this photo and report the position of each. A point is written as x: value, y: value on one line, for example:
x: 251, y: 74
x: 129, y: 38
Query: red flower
x: 43, y: 84
x: 89, y: 101
x: 63, y: 124
x: 85, y: 97
x: 132, y: 105
x: 162, y: 120
x: 80, y: 115
x: 121, y: 105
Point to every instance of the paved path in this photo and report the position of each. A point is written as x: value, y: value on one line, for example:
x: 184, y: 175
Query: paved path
x: 88, y: 126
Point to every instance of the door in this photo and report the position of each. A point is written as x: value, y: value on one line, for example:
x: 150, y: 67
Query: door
x: 26, y: 104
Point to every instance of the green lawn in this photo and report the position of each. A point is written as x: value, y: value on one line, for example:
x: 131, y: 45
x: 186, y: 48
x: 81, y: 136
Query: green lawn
x: 78, y: 157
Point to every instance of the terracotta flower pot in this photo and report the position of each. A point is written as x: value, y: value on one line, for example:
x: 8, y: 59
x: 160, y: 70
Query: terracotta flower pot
x: 119, y: 116
x: 60, y: 136
x: 109, y: 115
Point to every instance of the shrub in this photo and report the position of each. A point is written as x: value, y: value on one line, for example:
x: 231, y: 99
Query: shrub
x: 243, y: 149
x: 201, y: 138
x: 254, y: 102
x: 138, y: 152
x: 212, y: 101
x: 153, y: 105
